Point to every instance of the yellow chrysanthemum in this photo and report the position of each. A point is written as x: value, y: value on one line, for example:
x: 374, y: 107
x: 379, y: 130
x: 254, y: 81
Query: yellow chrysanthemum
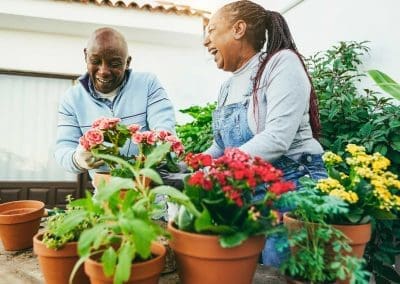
x: 348, y: 196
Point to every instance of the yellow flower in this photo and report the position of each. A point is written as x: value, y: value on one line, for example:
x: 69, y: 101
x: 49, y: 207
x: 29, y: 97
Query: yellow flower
x: 355, y: 149
x: 328, y: 184
x: 348, y: 196
x: 331, y: 158
x: 379, y: 163
x: 364, y: 172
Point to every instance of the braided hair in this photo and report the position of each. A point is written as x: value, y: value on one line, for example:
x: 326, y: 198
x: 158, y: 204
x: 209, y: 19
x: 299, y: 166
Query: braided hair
x: 258, y: 21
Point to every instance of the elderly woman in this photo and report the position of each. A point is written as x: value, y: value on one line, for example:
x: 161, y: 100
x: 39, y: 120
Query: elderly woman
x: 268, y: 107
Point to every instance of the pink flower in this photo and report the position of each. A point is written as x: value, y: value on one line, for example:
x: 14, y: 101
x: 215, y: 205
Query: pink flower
x: 105, y: 123
x: 94, y: 137
x: 84, y: 143
x: 133, y: 128
x: 137, y: 137
x: 150, y: 137
x: 162, y: 134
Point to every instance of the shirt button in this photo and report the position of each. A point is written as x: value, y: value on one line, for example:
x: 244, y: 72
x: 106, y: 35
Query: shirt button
x: 301, y: 168
x: 309, y: 159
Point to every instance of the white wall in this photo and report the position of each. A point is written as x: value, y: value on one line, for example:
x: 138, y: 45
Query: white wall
x: 318, y: 24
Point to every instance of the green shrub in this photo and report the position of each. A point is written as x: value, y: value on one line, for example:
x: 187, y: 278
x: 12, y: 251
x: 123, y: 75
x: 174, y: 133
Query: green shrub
x: 348, y: 116
x: 197, y: 135
x: 364, y: 119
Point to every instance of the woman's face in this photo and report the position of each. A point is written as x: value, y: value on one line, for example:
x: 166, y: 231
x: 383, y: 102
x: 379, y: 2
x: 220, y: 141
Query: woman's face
x: 221, y: 43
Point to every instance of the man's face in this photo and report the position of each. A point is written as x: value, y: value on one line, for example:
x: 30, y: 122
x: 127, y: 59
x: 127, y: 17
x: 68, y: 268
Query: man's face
x: 106, y: 60
x: 221, y: 43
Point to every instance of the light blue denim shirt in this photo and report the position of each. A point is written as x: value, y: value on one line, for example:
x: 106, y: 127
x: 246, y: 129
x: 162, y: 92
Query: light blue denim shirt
x: 140, y: 99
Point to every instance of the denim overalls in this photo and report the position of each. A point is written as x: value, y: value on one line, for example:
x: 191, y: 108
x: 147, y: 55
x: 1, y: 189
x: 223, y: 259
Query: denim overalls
x: 230, y: 129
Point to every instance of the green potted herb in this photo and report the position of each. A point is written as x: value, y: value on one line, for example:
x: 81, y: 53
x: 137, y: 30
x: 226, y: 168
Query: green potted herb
x: 320, y: 253
x: 56, y: 246
x: 122, y: 246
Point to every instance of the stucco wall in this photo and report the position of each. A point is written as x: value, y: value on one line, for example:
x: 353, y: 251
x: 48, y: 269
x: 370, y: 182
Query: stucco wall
x: 318, y: 24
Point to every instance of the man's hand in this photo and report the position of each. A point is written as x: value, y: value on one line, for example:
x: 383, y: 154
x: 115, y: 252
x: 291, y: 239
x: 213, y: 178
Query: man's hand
x: 85, y: 160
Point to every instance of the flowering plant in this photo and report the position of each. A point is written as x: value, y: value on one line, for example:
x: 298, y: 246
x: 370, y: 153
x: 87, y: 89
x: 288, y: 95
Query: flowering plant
x: 107, y: 136
x: 233, y: 196
x: 361, y: 181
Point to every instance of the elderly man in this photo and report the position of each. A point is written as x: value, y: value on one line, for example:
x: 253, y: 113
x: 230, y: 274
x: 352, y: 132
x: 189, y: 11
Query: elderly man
x: 108, y: 89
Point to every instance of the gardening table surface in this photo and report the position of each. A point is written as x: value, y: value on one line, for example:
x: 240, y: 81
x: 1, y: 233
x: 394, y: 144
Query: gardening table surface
x: 22, y: 267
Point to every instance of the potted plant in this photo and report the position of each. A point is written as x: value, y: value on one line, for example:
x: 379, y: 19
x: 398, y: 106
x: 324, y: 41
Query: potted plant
x: 56, y: 247
x: 320, y: 253
x: 19, y: 222
x: 218, y: 236
x: 121, y: 247
x: 363, y: 184
x: 362, y: 181
x: 108, y: 136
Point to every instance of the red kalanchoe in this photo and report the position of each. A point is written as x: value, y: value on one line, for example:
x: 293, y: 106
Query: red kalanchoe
x: 234, y: 173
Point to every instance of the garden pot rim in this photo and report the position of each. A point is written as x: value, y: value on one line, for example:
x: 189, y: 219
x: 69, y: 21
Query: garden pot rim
x: 172, y: 226
x: 288, y: 216
x: 36, y: 206
x: 39, y: 248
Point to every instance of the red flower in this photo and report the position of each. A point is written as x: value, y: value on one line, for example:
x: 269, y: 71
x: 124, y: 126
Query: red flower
x: 281, y: 187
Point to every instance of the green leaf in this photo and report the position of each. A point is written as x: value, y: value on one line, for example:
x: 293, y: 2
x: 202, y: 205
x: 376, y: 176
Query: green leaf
x: 123, y: 269
x: 232, y: 240
x: 171, y: 192
x: 157, y: 155
x: 109, y: 261
x: 204, y: 223
x: 152, y: 174
x: 184, y: 220
x: 87, y: 238
x: 144, y: 234
x: 115, y: 184
x: 385, y: 83
x: 70, y: 222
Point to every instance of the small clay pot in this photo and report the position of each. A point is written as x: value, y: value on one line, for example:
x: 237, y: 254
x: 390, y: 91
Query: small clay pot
x: 19, y: 222
x: 57, y: 264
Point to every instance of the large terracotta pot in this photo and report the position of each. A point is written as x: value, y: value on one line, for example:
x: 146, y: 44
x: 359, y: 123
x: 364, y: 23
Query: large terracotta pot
x: 57, y: 265
x: 19, y: 222
x: 201, y: 259
x: 146, y: 272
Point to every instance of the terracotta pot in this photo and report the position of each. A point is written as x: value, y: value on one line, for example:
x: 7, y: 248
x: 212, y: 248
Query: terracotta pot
x: 201, y: 259
x: 146, y: 272
x: 57, y: 265
x: 19, y: 222
x: 359, y: 236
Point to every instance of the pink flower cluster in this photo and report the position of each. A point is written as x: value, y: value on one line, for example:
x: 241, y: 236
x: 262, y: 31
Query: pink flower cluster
x: 104, y: 127
x: 234, y: 173
x: 154, y: 137
x: 95, y: 135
